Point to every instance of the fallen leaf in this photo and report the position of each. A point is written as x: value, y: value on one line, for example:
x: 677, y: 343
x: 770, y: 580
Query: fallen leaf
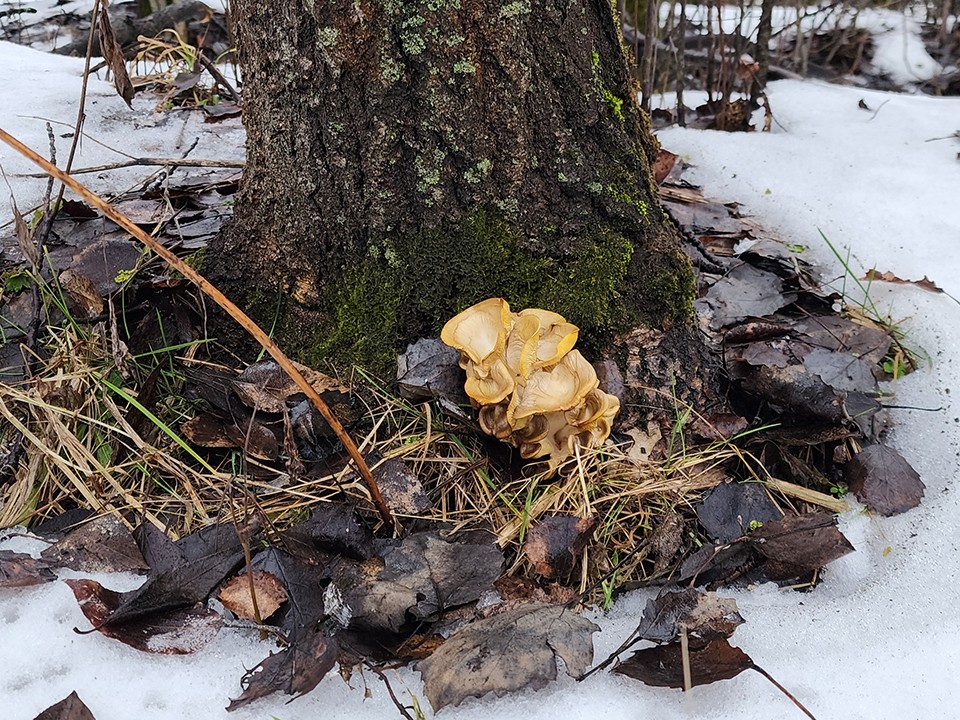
x: 705, y: 615
x: 430, y: 369
x: 663, y: 165
x: 514, y: 650
x: 745, y: 291
x: 884, y: 481
x: 22, y: 570
x: 842, y: 371
x: 727, y: 511
x: 401, y: 488
x: 182, y: 573
x: 662, y: 665
x: 644, y: 443
x: 555, y: 544
x: 113, y: 54
x: 333, y: 529
x: 294, y: 671
x: 925, y: 284
x: 265, y: 387
x: 82, y: 292
x: 172, y: 632
x: 797, y: 544
x: 102, y: 545
x: 70, y: 708
x: 237, y: 596
x: 415, y: 581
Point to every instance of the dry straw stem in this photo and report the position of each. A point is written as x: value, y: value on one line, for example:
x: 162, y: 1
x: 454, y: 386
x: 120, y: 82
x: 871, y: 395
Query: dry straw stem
x: 218, y: 297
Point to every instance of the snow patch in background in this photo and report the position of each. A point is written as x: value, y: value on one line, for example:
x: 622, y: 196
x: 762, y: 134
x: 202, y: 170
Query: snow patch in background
x: 879, y: 639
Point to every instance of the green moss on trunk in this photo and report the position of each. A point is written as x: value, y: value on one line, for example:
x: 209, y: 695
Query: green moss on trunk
x: 407, y: 287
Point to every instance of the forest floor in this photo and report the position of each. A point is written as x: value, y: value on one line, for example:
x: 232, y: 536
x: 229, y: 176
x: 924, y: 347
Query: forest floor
x: 878, y: 638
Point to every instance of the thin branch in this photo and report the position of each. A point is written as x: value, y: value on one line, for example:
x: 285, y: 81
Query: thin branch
x: 134, y: 162
x: 228, y: 305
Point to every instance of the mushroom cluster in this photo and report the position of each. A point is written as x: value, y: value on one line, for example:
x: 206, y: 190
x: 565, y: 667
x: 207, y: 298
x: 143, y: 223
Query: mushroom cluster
x: 533, y: 390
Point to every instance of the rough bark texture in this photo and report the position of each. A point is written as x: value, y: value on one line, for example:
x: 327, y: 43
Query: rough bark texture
x: 407, y: 159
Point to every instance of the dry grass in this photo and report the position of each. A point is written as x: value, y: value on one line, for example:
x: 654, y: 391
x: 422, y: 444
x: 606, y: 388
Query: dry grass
x: 82, y: 448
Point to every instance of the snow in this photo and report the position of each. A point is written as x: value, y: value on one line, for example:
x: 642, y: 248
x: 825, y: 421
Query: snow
x: 879, y: 639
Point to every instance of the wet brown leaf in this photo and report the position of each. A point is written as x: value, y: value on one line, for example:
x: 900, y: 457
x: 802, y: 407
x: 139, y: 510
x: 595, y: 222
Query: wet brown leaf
x: 401, y: 488
x: 514, y: 650
x: 429, y: 369
x: 415, y: 581
x: 727, y: 511
x: 705, y: 615
x: 182, y: 573
x: 663, y: 165
x: 884, y: 481
x: 102, y: 545
x: 925, y: 284
x: 70, y: 708
x: 797, y: 544
x: 22, y: 570
x: 267, y: 588
x: 662, y: 665
x: 555, y: 544
x: 841, y: 370
x: 265, y: 387
x: 82, y: 292
x: 294, y: 671
x: 332, y: 529
x: 173, y: 632
x: 745, y: 291
x: 113, y: 54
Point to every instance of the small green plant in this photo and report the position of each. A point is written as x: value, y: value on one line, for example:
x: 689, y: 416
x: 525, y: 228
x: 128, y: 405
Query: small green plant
x: 754, y: 525
x: 15, y: 281
x: 839, y: 490
x: 608, y: 585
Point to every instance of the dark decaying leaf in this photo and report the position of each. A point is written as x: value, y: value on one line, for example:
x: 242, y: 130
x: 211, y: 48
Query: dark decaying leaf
x: 82, y: 293
x: 256, y: 439
x: 712, y: 562
x: 662, y: 665
x: 25, y: 238
x: 705, y: 615
x: 746, y: 291
x: 239, y: 592
x: 183, y: 574
x: 401, y: 487
x: 797, y: 544
x: 841, y: 370
x: 113, y: 54
x: 70, y: 708
x: 102, y: 545
x: 727, y: 511
x: 663, y: 165
x: 416, y: 581
x: 172, y: 632
x: 265, y: 387
x: 310, y: 653
x: 429, y: 369
x: 514, y: 650
x: 841, y: 334
x: 294, y: 671
x: 22, y: 570
x: 887, y: 276
x: 332, y: 529
x: 884, y: 481
x: 554, y: 544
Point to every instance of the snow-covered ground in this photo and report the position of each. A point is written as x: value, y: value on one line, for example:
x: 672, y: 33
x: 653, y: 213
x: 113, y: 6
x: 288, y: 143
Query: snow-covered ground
x: 879, y: 639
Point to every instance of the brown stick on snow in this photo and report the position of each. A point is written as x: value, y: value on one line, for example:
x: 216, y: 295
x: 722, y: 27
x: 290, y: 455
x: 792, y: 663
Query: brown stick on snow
x: 220, y: 299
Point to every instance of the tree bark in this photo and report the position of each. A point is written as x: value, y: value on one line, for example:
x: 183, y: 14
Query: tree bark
x: 408, y: 159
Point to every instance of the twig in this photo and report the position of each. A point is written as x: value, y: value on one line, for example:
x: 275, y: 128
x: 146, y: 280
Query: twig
x: 782, y: 689
x: 400, y: 707
x: 219, y: 77
x: 81, y: 114
x: 134, y: 162
x: 228, y: 305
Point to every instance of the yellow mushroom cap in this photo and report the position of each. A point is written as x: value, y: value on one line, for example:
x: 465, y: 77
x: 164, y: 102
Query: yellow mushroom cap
x: 480, y: 330
x: 490, y: 386
x: 557, y: 336
x: 560, y: 387
x: 522, y: 345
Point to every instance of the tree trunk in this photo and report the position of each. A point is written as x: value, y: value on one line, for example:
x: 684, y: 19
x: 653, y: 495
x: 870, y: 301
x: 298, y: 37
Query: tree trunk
x: 408, y: 159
